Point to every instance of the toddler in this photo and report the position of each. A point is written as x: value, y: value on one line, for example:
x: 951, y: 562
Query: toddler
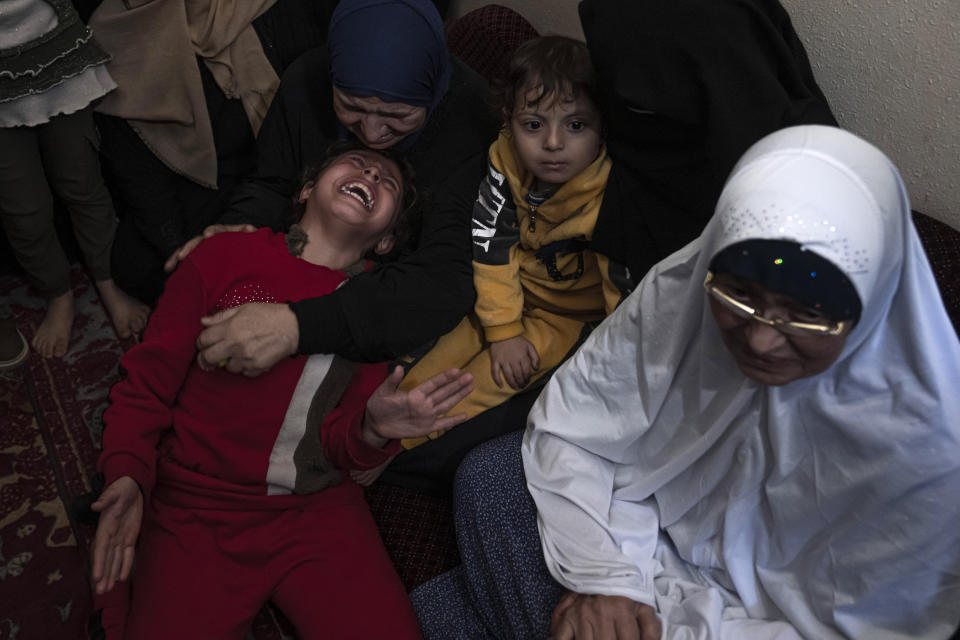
x: 539, y: 286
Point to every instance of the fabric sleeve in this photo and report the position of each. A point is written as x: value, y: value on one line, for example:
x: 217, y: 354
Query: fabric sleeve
x: 141, y: 403
x: 496, y: 264
x: 577, y: 453
x: 616, y: 282
x: 295, y: 133
x: 144, y: 189
x: 288, y: 29
x: 341, y: 432
x: 401, y: 305
x: 264, y: 199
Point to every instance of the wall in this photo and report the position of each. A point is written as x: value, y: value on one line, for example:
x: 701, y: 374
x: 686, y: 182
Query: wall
x: 890, y: 68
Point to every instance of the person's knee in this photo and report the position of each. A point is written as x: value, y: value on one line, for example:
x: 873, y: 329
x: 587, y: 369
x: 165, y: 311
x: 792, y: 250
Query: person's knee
x: 491, y: 470
x: 77, y: 178
x: 84, y: 188
x: 26, y: 209
x: 486, y: 461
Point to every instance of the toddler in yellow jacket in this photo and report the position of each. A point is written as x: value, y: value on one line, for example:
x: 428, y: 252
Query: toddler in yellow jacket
x: 539, y: 286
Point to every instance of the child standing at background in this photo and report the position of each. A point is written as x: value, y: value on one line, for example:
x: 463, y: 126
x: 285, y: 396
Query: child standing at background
x: 241, y: 477
x: 538, y: 284
x: 52, y: 71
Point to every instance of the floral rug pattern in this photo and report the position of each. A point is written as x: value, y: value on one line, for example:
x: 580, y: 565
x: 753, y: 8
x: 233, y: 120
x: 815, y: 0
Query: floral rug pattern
x: 48, y: 450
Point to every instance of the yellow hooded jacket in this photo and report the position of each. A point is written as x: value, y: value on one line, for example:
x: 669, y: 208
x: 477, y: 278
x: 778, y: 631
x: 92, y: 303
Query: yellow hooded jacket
x: 526, y: 256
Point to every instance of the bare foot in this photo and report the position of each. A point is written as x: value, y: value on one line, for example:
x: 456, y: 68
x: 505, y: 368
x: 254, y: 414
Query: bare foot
x: 367, y: 477
x: 129, y: 316
x: 53, y: 334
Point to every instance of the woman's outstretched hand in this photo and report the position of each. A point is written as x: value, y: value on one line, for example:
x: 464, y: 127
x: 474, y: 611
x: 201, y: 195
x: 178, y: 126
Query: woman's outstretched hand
x: 394, y: 414
x: 177, y: 256
x: 121, y: 511
x: 596, y: 617
x: 248, y: 339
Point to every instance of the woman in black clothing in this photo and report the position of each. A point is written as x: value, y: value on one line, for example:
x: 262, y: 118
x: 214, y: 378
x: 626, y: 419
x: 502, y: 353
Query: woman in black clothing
x: 687, y: 86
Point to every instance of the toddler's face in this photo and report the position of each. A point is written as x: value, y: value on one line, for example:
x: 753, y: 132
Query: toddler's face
x: 556, y: 138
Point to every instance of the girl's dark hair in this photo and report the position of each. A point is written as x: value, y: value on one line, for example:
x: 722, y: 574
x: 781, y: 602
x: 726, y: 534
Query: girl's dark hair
x: 550, y: 65
x: 408, y: 218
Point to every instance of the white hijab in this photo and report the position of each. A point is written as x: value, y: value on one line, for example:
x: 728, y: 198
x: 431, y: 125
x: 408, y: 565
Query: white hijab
x: 831, y: 503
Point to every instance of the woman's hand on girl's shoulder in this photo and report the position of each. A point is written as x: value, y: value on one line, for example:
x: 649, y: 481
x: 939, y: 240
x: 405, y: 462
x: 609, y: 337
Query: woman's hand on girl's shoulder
x: 180, y: 254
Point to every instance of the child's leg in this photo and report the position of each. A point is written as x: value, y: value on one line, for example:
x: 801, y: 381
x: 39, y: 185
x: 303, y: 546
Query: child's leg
x: 346, y: 587
x: 68, y: 148
x: 188, y: 582
x: 455, y: 349
x: 552, y: 336
x: 26, y: 208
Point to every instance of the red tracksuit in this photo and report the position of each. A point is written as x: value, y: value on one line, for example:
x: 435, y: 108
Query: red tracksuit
x: 244, y: 498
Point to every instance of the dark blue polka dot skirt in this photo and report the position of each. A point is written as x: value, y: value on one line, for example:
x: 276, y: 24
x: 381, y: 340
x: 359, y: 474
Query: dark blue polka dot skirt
x: 503, y: 589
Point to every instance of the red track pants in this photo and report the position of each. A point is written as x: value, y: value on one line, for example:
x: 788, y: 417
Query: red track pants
x: 206, y: 573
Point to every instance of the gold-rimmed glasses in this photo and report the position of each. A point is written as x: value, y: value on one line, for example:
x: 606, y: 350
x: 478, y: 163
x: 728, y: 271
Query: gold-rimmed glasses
x: 744, y: 307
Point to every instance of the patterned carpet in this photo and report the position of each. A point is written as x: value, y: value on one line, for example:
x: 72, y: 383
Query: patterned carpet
x: 48, y: 417
x: 49, y: 443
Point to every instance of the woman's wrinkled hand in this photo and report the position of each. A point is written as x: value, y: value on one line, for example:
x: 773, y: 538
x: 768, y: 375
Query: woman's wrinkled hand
x: 248, y: 339
x: 177, y: 256
x: 598, y: 617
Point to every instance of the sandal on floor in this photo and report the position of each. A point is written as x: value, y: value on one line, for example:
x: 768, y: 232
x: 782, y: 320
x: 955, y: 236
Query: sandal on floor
x: 13, y: 347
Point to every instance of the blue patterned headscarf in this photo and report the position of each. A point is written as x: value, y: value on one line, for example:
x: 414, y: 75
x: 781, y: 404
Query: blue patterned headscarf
x: 395, y: 50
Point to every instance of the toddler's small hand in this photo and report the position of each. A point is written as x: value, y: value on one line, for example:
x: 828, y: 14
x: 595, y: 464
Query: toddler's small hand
x: 517, y: 358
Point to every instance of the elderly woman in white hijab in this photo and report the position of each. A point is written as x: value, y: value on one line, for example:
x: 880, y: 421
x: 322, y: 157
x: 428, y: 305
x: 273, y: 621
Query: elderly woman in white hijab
x: 763, y: 441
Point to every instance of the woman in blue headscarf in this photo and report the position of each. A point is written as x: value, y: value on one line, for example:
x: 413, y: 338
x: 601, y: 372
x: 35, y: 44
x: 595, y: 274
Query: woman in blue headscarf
x: 387, y: 105
x: 386, y: 79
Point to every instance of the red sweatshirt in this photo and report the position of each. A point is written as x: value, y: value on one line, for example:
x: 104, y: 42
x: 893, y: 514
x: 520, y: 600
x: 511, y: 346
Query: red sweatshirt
x: 215, y: 438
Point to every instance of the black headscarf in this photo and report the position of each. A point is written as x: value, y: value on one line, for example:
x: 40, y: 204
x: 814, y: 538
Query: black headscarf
x: 787, y: 267
x: 718, y: 75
